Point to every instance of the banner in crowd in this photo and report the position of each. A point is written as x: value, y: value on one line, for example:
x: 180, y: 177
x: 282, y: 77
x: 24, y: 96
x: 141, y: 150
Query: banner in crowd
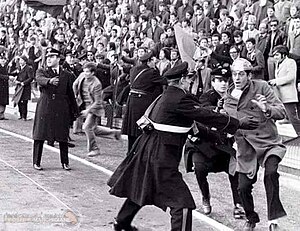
x: 186, y: 46
x: 53, y: 7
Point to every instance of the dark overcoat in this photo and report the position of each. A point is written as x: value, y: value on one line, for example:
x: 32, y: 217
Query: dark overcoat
x: 26, y: 76
x: 56, y: 107
x: 149, y: 175
x: 4, y: 92
x: 210, y: 144
x: 149, y: 82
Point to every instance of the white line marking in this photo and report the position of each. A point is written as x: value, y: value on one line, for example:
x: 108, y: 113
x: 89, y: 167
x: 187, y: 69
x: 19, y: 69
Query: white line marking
x: 196, y: 214
x: 37, y: 184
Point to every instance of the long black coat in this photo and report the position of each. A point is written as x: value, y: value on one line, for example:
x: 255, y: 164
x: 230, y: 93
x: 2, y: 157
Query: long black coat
x: 149, y: 81
x: 149, y: 175
x: 26, y: 76
x: 56, y: 107
x: 4, y: 90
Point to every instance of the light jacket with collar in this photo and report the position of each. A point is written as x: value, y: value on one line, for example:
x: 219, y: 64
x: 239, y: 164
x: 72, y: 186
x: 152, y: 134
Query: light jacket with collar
x: 95, y: 94
x: 285, y: 76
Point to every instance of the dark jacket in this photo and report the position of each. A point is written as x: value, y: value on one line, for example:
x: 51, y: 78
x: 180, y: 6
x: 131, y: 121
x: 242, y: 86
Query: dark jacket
x: 203, y: 23
x: 155, y: 35
x: 279, y: 39
x: 26, y: 76
x: 4, y: 90
x: 215, y: 13
x: 149, y: 82
x: 56, y: 107
x: 149, y: 175
x: 210, y: 144
x: 75, y: 69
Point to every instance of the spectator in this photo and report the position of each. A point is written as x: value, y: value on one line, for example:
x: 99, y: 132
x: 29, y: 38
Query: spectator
x: 293, y: 40
x: 200, y: 21
x: 256, y: 58
x: 23, y: 80
x: 164, y: 61
x: 251, y: 32
x: 275, y: 38
x: 260, y: 10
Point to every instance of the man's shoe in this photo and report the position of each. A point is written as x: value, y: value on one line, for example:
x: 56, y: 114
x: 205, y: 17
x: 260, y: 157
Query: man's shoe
x: 238, y: 212
x: 3, y: 119
x: 249, y: 226
x: 37, y: 167
x: 206, y: 206
x: 70, y: 145
x: 273, y: 227
x: 118, y: 227
x: 93, y: 153
x: 66, y: 167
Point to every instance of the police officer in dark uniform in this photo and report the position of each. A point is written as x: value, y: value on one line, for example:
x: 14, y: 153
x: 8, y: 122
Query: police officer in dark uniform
x: 55, y: 109
x: 211, y: 151
x: 149, y: 175
x: 70, y: 65
x: 145, y: 86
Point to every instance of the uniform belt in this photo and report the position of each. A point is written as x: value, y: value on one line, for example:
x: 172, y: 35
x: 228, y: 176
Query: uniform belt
x: 136, y: 91
x: 170, y: 128
x: 56, y: 96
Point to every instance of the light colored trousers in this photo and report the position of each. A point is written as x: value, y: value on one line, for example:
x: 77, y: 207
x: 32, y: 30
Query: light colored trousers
x: 91, y: 130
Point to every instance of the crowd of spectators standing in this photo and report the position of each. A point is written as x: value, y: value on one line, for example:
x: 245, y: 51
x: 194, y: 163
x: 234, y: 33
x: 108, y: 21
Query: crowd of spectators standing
x: 116, y: 33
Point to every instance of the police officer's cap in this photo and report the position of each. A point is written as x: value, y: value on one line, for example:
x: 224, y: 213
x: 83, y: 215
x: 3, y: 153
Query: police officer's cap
x: 69, y: 52
x: 221, y: 73
x: 146, y: 56
x: 51, y: 52
x: 177, y: 72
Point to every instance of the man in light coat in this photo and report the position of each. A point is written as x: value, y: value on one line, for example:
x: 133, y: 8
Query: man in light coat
x: 259, y: 147
x: 285, y: 84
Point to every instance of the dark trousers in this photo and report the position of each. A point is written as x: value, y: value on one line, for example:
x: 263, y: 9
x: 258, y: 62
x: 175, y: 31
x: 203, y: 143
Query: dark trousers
x: 293, y: 110
x: 271, y: 181
x: 23, y: 108
x: 203, y: 168
x: 38, y: 150
x: 181, y: 218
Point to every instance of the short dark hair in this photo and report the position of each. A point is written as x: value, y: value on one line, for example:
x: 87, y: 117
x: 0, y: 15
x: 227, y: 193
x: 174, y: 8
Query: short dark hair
x: 237, y: 33
x: 216, y: 36
x: 91, y: 66
x: 274, y: 20
x: 238, y: 50
x: 251, y: 40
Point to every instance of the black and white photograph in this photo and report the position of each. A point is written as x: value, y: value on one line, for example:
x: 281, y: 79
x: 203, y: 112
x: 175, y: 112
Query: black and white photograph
x: 149, y: 115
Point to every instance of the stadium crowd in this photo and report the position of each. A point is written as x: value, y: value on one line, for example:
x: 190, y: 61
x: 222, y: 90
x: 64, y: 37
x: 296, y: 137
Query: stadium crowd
x: 123, y: 53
